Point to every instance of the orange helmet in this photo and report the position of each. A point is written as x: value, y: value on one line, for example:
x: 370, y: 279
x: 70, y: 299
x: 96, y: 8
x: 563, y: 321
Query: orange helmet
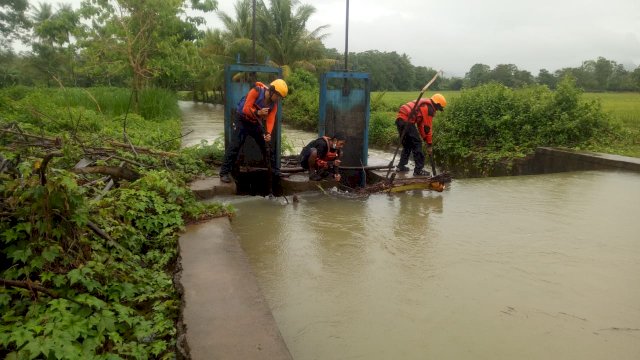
x: 280, y: 87
x: 440, y: 100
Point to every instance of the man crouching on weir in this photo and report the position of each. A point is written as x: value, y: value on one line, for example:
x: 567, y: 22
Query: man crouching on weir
x: 260, y: 105
x: 322, y: 157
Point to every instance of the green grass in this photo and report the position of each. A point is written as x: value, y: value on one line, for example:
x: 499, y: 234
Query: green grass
x: 95, y: 112
x: 155, y: 104
x: 622, y: 106
x: 624, y: 112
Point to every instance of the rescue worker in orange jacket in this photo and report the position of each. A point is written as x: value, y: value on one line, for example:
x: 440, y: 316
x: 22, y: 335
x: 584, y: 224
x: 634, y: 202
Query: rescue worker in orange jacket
x: 322, y: 157
x: 255, y: 117
x: 419, y: 127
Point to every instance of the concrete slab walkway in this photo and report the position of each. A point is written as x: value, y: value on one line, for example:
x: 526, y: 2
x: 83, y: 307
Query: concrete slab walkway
x: 225, y: 313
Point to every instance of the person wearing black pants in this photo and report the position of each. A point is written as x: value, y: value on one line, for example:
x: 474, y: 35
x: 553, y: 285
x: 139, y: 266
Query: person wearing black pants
x: 255, y: 117
x: 411, y: 144
x: 415, y: 122
x: 244, y: 128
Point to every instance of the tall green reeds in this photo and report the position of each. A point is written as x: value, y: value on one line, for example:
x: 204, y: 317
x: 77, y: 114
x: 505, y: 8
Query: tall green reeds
x: 97, y: 113
x: 155, y: 104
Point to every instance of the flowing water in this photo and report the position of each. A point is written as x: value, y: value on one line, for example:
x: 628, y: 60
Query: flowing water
x: 531, y: 267
x: 201, y: 122
x: 536, y: 267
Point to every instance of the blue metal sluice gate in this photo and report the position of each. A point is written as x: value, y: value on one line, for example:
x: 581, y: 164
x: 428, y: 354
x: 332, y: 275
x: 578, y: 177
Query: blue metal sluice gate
x: 344, y: 107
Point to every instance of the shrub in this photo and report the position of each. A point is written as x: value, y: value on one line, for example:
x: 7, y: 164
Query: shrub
x: 88, y: 273
x: 382, y: 129
x: 302, y: 106
x: 493, y: 120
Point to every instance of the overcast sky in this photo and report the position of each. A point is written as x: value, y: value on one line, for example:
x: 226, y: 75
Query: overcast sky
x: 452, y: 35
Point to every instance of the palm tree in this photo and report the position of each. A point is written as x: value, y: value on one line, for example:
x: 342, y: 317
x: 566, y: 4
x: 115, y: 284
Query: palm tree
x: 238, y: 36
x: 210, y: 76
x: 240, y: 27
x: 283, y: 32
x: 43, y: 44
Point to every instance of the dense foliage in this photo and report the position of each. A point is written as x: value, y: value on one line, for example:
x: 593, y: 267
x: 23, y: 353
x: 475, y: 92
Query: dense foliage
x: 490, y: 121
x: 494, y: 122
x: 86, y: 272
x: 301, y: 107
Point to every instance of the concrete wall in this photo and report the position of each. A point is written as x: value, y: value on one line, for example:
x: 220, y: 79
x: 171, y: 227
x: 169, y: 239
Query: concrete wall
x: 545, y: 160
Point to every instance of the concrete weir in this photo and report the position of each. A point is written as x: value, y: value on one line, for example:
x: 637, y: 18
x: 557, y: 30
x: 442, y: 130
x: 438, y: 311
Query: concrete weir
x: 224, y: 311
x: 551, y: 160
x: 545, y: 160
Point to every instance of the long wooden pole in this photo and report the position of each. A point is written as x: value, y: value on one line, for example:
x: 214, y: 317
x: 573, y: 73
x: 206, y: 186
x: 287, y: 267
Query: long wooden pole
x: 413, y: 111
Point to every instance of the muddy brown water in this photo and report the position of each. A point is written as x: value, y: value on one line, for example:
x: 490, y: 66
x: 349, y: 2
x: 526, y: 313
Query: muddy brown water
x: 531, y: 267
x: 536, y: 267
x: 202, y: 122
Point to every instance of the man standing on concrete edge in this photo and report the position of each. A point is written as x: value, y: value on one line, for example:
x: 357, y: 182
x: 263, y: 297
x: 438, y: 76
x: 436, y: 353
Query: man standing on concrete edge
x: 258, y: 107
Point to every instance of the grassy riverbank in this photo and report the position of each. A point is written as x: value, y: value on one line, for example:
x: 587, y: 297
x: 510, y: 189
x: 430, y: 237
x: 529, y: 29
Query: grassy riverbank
x: 87, y: 271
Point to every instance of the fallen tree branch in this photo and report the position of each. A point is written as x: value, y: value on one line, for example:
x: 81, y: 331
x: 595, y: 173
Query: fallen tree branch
x: 93, y: 182
x: 176, y: 138
x: 142, y: 149
x: 119, y: 158
x: 113, y: 171
x: 98, y: 231
x: 130, y: 144
x: 56, y: 141
x: 436, y: 183
x: 43, y: 165
x: 34, y: 288
x: 298, y: 169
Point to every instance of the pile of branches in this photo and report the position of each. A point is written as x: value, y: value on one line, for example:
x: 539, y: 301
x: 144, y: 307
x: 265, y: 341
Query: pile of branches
x: 436, y: 183
x: 392, y: 185
x: 16, y: 140
x: 89, y: 243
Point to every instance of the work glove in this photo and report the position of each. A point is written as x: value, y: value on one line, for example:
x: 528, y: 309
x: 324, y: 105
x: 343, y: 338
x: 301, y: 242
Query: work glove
x: 322, y: 164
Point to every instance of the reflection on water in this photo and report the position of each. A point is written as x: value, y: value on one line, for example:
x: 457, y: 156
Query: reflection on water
x: 537, y: 267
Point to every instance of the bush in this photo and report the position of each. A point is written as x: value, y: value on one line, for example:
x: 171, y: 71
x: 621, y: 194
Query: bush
x: 158, y: 104
x: 382, y: 129
x: 495, y: 121
x: 302, y: 106
x: 88, y: 273
x: 17, y: 92
x: 107, y: 297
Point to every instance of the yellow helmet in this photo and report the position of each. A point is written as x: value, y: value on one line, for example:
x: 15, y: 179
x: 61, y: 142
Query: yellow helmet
x: 280, y: 87
x: 440, y: 100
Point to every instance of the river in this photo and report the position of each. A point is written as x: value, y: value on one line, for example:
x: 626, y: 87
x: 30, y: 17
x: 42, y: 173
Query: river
x: 530, y: 267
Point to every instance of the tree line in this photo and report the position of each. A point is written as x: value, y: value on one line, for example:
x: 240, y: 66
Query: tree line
x: 156, y: 43
x: 592, y: 75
